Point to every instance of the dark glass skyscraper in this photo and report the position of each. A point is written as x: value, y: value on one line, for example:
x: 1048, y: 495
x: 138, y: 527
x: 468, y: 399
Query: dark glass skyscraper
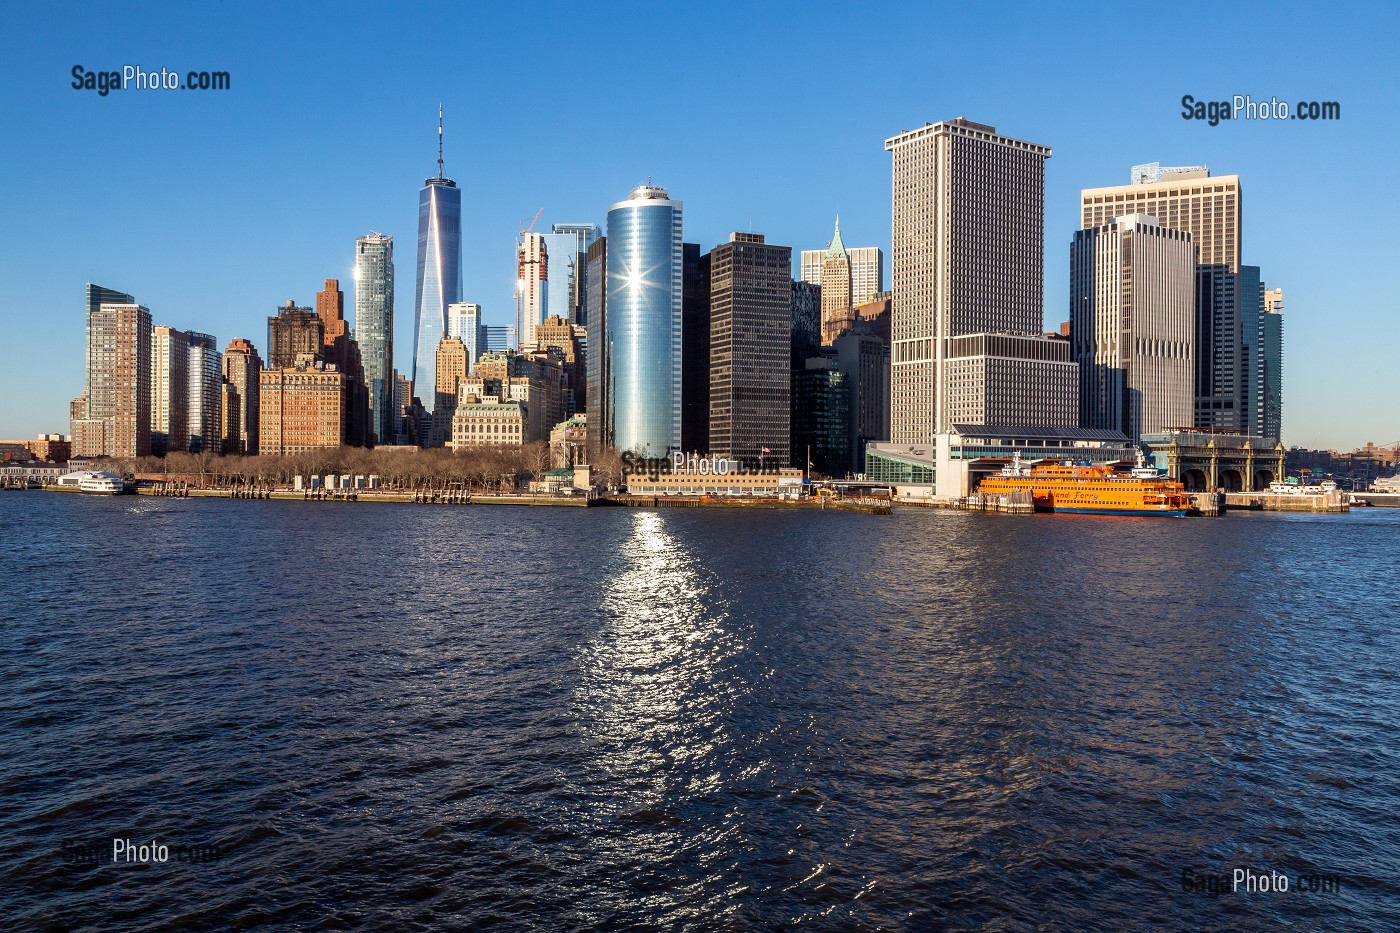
x: 374, y: 331
x: 643, y: 329
x: 439, y: 272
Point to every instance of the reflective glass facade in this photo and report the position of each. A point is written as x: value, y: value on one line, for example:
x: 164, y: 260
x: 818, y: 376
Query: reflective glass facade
x: 644, y: 270
x: 374, y: 330
x: 205, y: 412
x: 584, y: 235
x: 439, y: 270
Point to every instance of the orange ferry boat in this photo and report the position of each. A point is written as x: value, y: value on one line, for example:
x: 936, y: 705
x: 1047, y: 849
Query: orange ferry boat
x: 1065, y: 486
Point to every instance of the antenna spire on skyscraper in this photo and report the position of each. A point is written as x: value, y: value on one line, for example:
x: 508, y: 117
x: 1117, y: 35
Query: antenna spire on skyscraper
x: 439, y: 140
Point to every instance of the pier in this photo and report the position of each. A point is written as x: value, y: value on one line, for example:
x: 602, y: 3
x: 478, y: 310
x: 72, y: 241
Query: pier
x: 1334, y: 501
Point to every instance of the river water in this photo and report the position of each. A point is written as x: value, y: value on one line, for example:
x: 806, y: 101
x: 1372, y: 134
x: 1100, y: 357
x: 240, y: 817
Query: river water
x: 412, y: 717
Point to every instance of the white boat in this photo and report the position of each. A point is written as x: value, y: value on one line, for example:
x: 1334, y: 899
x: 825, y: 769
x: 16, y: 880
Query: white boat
x: 1303, y: 489
x: 103, y: 484
x: 95, y: 482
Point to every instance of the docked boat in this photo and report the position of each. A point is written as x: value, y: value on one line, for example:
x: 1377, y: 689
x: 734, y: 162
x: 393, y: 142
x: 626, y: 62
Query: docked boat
x: 1296, y: 488
x: 95, y: 482
x: 1087, y: 488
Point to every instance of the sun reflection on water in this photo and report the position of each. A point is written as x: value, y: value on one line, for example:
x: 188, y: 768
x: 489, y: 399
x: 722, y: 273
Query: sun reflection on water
x: 653, y: 700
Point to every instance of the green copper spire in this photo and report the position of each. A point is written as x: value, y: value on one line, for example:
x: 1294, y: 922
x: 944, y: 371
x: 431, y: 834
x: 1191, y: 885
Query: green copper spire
x: 837, y: 249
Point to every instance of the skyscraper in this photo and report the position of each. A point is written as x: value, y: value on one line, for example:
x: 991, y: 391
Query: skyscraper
x: 867, y: 270
x: 452, y: 367
x: 464, y: 323
x: 92, y: 430
x: 118, y: 375
x: 821, y: 417
x: 864, y: 357
x: 836, y: 290
x: 374, y: 331
x: 170, y: 381
x: 806, y: 332
x: 695, y: 349
x: 561, y: 256
x: 241, y: 368
x: 750, y: 347
x: 340, y: 348
x: 1133, y: 326
x: 439, y: 269
x: 644, y: 322
x: 1209, y: 209
x: 1271, y: 363
x: 968, y: 239
x: 600, y: 352
x: 584, y: 235
x: 205, y: 394
x: 531, y: 286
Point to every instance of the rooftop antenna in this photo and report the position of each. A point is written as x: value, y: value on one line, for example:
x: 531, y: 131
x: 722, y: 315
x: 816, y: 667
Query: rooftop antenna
x: 439, y: 141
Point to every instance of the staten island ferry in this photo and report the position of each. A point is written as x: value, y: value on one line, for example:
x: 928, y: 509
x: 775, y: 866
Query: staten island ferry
x: 1095, y: 489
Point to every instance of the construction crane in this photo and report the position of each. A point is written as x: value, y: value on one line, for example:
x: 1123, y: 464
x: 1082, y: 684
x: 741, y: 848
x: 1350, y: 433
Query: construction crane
x: 524, y: 230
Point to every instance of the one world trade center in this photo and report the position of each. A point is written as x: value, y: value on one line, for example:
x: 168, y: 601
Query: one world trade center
x: 439, y: 273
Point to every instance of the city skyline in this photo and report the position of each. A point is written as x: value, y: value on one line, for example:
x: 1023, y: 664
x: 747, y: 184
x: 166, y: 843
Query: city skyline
x: 284, y: 241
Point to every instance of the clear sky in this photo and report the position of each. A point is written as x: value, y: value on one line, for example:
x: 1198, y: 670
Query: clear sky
x: 214, y: 207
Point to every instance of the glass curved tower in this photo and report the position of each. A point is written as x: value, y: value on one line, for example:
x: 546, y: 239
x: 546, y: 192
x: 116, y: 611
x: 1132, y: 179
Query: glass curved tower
x: 439, y: 272
x: 644, y: 269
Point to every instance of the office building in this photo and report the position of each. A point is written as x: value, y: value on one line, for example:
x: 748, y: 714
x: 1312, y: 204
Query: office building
x: 836, y: 290
x: 1010, y: 379
x: 1270, y: 379
x: 118, y: 422
x: 242, y: 364
x: 301, y: 407
x: 451, y: 371
x: 968, y: 239
x: 1209, y: 209
x: 600, y: 351
x: 806, y: 335
x: 499, y: 338
x: 536, y: 377
x: 230, y: 418
x: 1133, y: 326
x: 374, y: 332
x: 205, y: 418
x: 170, y: 382
x: 584, y: 236
x: 439, y: 269
x: 867, y: 269
x: 340, y: 348
x: 405, y: 419
x: 875, y: 314
x: 531, y: 286
x: 560, y: 252
x: 464, y: 323
x: 864, y: 357
x: 695, y: 349
x: 335, y: 330
x: 489, y: 421
x: 644, y: 270
x: 821, y: 418
x: 750, y: 347
x: 292, y: 332
x: 556, y: 332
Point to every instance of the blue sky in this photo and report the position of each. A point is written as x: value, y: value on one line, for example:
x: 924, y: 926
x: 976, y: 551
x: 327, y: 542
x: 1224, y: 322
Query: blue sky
x: 213, y: 208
